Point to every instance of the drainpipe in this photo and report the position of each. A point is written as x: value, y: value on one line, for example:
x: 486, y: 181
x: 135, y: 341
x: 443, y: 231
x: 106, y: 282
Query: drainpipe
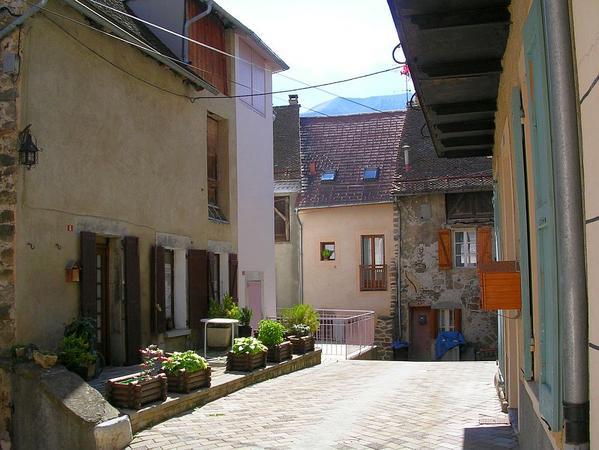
x: 572, y: 291
x: 301, y: 257
x: 188, y: 24
x: 398, y: 264
x: 22, y: 18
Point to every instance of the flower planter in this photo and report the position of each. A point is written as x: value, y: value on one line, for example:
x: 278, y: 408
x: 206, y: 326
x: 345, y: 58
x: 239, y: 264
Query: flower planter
x: 183, y: 381
x: 218, y: 337
x: 125, y: 393
x: 245, y: 362
x: 279, y: 352
x: 302, y: 344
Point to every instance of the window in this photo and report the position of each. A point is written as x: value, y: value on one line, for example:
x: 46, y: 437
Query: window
x: 327, y: 251
x: 214, y: 171
x: 446, y: 320
x: 373, y: 270
x: 251, y: 77
x: 465, y: 248
x: 214, y: 275
x: 329, y: 175
x: 281, y: 219
x: 469, y: 206
x: 371, y: 174
x: 169, y: 288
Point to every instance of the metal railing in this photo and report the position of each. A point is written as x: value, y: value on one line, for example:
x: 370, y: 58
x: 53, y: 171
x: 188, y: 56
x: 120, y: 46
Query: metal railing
x: 373, y: 278
x: 345, y: 334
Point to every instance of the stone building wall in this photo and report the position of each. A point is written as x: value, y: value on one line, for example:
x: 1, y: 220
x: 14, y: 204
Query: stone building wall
x: 418, y: 221
x: 8, y: 173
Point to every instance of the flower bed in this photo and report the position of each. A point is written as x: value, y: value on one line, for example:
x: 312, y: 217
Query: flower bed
x: 186, y: 371
x: 247, y: 354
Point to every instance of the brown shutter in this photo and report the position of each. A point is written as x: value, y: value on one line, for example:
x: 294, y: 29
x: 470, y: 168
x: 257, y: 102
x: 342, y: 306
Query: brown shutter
x: 158, y: 308
x: 434, y: 323
x: 233, y: 275
x: 197, y: 280
x: 457, y: 319
x: 484, y: 246
x: 88, y: 274
x: 211, y: 274
x: 444, y: 249
x: 132, y: 300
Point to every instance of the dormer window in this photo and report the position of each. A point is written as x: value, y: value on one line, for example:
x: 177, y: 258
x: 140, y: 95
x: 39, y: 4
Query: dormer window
x: 371, y: 173
x: 329, y: 175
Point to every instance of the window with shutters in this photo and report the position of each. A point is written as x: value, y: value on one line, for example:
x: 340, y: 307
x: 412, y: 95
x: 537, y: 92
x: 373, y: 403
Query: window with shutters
x: 464, y: 246
x: 175, y: 289
x: 169, y: 288
x: 217, y: 173
x: 281, y: 219
x: 215, y: 275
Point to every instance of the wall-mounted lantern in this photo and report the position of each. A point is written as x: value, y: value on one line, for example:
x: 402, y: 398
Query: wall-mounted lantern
x: 28, y: 148
x: 73, y: 273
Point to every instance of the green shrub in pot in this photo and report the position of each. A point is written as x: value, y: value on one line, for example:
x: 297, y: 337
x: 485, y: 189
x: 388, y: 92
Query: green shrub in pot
x: 248, y: 346
x: 189, y: 361
x: 301, y: 315
x: 271, y: 332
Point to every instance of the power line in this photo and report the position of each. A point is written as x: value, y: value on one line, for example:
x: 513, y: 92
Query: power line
x: 209, y: 47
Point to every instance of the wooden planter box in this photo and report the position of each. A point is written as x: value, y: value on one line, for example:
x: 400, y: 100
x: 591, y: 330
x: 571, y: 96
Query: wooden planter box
x: 245, y: 363
x: 183, y: 381
x: 134, y: 394
x: 302, y: 344
x: 279, y: 352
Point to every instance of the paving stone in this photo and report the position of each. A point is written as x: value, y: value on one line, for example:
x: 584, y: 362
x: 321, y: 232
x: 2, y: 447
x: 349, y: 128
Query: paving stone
x: 349, y: 405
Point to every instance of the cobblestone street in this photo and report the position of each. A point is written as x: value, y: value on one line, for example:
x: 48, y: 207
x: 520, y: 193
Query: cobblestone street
x: 350, y: 404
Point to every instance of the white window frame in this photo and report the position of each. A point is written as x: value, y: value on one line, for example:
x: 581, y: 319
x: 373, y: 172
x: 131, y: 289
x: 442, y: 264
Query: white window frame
x: 446, y: 320
x: 467, y: 248
x: 181, y: 300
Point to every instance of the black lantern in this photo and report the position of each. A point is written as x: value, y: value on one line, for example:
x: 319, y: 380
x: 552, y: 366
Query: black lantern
x: 27, y: 148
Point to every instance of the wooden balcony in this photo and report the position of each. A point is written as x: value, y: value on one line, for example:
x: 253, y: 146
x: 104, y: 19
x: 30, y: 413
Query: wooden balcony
x: 373, y: 278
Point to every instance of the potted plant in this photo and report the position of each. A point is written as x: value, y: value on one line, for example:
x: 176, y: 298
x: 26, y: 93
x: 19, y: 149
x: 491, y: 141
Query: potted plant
x: 245, y: 330
x: 301, y: 339
x: 45, y: 359
x: 301, y: 315
x: 220, y: 336
x: 186, y: 371
x: 75, y: 353
x: 247, y: 354
x: 271, y: 333
x: 132, y: 391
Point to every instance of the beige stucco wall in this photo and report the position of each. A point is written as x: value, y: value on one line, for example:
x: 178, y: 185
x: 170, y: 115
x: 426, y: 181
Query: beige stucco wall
x: 119, y: 158
x: 336, y: 284
x: 586, y: 38
x: 287, y: 260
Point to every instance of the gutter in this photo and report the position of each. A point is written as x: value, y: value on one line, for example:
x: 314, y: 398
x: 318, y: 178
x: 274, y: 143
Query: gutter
x: 187, y: 26
x: 301, y: 257
x: 90, y: 13
x: 22, y: 18
x: 572, y: 290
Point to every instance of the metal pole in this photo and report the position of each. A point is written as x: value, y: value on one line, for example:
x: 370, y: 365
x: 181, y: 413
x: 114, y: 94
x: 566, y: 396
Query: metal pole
x: 570, y: 227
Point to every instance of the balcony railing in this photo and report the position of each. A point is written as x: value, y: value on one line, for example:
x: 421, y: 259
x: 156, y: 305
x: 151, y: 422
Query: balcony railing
x: 373, y: 278
x: 345, y: 334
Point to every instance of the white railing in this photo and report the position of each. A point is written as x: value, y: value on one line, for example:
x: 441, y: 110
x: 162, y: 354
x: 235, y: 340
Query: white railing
x: 345, y: 334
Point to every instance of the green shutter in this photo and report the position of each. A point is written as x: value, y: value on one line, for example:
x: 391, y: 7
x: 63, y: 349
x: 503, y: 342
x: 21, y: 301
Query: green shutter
x: 545, y: 228
x: 523, y: 214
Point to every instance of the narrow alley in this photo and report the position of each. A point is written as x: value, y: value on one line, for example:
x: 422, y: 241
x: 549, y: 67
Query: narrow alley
x: 350, y: 404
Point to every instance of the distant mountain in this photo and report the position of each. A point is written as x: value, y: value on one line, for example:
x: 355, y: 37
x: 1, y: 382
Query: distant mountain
x: 339, y: 106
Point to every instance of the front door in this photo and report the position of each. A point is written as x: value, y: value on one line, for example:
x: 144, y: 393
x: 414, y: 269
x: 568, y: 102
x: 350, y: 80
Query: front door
x: 102, y: 303
x: 254, y: 299
x: 421, y: 325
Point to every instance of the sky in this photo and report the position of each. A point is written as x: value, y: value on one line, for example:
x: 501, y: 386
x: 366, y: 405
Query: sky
x: 326, y: 40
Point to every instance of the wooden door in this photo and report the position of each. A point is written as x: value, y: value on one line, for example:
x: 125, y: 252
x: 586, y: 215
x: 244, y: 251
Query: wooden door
x: 254, y: 301
x: 102, y: 301
x: 422, y: 327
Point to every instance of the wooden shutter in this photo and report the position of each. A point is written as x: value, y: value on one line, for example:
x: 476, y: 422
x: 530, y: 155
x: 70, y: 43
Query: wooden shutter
x: 158, y: 308
x: 444, y: 249
x: 211, y: 275
x: 233, y: 264
x: 484, y: 245
x: 457, y: 319
x: 88, y: 274
x: 197, y: 282
x: 132, y: 300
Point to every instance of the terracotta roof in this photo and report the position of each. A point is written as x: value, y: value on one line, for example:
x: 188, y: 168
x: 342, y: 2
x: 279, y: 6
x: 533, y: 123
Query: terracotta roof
x: 286, y: 142
x: 430, y: 173
x: 349, y: 144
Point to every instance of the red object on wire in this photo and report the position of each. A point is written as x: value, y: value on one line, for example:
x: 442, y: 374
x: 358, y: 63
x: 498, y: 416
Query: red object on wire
x: 405, y: 70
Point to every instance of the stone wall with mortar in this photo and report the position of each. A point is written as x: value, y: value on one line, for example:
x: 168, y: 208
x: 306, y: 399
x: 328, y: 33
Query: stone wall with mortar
x: 8, y: 172
x: 418, y: 221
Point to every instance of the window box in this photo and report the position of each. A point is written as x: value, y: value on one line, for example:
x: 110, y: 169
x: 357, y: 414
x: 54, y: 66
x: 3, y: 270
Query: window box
x: 184, y: 382
x: 301, y: 345
x: 500, y: 286
x: 132, y: 392
x: 245, y: 362
x: 279, y: 352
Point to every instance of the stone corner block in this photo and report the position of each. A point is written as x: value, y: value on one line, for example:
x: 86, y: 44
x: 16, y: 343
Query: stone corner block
x: 113, y: 434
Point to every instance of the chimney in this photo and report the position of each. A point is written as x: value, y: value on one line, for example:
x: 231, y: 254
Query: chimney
x: 293, y: 99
